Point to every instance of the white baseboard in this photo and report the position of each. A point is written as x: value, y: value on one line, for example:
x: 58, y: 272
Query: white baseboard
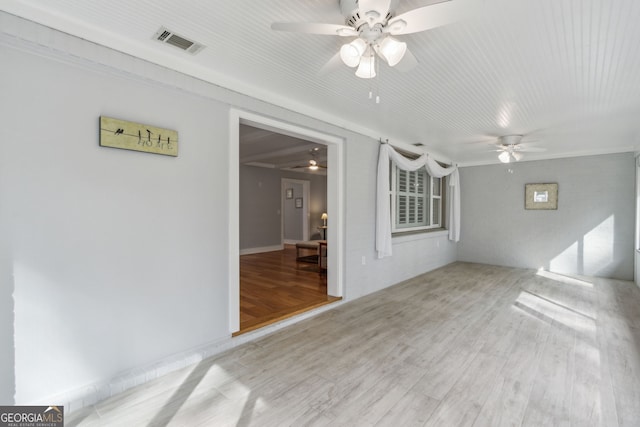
x: 250, y: 251
x: 94, y: 393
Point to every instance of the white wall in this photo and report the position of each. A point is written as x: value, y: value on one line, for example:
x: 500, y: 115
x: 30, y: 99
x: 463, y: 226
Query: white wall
x: 589, y: 234
x: 7, y: 375
x: 637, y: 237
x: 412, y: 255
x: 110, y: 246
x: 120, y: 258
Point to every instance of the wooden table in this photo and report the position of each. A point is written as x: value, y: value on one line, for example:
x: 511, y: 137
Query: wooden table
x: 322, y: 265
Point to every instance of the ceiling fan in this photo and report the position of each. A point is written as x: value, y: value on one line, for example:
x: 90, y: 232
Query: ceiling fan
x: 313, y: 163
x: 373, y: 23
x: 511, y: 148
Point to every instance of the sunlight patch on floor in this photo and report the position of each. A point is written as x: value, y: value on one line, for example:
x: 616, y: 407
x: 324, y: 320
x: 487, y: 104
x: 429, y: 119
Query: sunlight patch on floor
x: 549, y: 310
x: 564, y: 279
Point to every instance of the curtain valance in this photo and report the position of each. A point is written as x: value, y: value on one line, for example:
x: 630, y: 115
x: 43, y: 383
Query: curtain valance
x: 383, y: 213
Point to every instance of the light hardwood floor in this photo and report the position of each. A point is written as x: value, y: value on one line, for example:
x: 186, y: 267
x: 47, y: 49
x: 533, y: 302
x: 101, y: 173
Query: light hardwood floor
x: 464, y: 345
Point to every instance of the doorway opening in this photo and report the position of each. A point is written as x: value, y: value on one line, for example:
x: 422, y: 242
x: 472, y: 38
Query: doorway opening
x: 270, y: 275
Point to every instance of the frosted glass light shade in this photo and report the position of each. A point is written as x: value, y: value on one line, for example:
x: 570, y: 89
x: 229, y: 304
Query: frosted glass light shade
x: 392, y: 50
x: 350, y: 53
x: 504, y: 157
x: 367, y: 68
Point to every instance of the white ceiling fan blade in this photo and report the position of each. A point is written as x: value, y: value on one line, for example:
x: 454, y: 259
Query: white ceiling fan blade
x: 315, y: 28
x: 433, y: 16
x: 408, y: 62
x: 331, y: 65
x: 381, y: 7
x: 532, y: 149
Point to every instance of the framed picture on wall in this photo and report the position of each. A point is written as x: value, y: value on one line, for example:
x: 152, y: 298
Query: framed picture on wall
x: 541, y: 196
x: 289, y: 193
x: 299, y: 202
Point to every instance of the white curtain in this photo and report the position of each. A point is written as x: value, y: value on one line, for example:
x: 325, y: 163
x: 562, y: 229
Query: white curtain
x: 383, y: 209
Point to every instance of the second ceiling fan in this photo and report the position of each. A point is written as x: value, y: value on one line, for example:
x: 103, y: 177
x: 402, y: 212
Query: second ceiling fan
x: 374, y: 25
x: 511, y: 148
x: 313, y: 164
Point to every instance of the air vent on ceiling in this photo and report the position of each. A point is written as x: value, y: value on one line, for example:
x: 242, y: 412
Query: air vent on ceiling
x: 169, y: 37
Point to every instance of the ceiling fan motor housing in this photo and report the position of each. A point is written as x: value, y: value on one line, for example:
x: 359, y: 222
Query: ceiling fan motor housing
x: 510, y: 140
x: 356, y: 18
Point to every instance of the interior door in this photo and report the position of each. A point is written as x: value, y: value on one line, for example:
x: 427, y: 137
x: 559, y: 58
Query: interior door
x: 295, y: 210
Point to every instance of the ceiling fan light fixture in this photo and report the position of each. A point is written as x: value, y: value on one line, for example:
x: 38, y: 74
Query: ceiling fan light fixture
x: 517, y: 156
x: 351, y: 53
x: 367, y: 68
x: 371, y: 22
x: 392, y: 50
x: 504, y: 157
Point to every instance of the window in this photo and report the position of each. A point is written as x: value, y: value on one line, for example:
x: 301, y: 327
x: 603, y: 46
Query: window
x: 416, y: 200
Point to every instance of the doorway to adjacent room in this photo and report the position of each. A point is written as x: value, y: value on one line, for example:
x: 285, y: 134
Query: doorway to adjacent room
x: 273, y: 280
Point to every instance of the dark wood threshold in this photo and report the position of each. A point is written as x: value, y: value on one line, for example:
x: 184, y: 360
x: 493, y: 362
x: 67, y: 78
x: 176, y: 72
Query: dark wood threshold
x: 279, y: 316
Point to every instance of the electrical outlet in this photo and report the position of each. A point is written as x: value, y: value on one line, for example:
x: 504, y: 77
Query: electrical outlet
x: 364, y: 260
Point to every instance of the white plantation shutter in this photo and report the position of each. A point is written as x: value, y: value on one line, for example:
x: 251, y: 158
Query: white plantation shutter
x: 402, y: 198
x: 412, y: 199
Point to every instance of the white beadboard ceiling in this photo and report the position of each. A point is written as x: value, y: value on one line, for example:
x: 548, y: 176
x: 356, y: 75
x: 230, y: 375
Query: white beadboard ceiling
x: 565, y: 73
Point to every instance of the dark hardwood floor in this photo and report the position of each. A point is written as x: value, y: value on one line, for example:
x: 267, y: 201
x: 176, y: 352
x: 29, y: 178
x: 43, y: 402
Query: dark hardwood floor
x: 274, y: 286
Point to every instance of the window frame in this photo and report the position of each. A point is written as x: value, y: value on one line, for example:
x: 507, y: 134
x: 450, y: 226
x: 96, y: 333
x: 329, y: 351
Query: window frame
x: 441, y: 197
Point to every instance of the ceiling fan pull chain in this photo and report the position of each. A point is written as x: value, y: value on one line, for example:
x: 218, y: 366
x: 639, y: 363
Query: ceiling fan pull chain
x: 370, y: 89
x: 377, y: 65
